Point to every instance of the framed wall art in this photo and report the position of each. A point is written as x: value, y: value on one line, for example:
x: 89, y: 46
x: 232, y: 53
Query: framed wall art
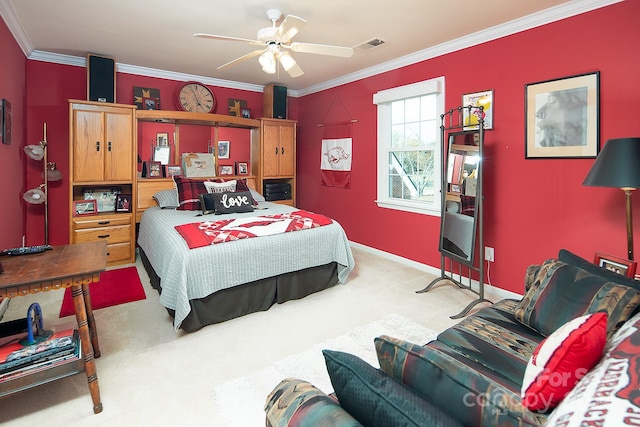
x: 562, y: 117
x: 173, y: 170
x: 242, y: 168
x: 139, y: 93
x: 123, y: 203
x: 226, y: 170
x: 223, y: 149
x: 85, y: 207
x: 470, y: 116
x: 5, y: 121
x: 615, y: 264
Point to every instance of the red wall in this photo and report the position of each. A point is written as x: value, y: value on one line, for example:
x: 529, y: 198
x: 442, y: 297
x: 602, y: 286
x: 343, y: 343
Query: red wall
x: 532, y: 207
x: 12, y: 88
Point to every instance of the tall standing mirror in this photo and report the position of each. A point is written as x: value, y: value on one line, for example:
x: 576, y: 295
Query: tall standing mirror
x: 459, y: 223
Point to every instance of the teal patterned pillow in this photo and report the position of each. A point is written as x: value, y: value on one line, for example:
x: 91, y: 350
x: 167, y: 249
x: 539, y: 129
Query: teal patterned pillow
x: 375, y: 399
x: 562, y: 292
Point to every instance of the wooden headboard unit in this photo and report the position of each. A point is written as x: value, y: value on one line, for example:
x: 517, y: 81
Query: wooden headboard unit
x: 147, y: 187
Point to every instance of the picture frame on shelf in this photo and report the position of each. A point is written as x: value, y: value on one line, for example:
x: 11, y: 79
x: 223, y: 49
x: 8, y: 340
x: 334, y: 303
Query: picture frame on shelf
x: 85, y: 207
x: 616, y: 264
x: 162, y: 155
x: 242, y: 168
x: 223, y: 149
x: 123, y: 203
x: 470, y: 116
x: 162, y: 139
x: 105, y: 197
x: 195, y: 165
x: 235, y: 106
x: 562, y: 117
x: 246, y: 113
x: 173, y: 170
x: 139, y: 93
x: 153, y: 169
x: 226, y: 170
x: 150, y: 103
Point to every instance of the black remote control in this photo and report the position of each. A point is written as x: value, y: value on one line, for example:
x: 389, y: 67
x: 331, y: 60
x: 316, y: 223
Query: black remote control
x: 25, y: 250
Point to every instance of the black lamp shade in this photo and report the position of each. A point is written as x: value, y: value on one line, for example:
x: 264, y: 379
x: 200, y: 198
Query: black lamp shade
x: 617, y: 165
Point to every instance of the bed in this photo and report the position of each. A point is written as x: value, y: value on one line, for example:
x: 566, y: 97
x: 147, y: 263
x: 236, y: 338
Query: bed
x: 219, y: 282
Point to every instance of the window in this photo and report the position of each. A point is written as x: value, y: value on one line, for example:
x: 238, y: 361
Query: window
x: 409, y: 146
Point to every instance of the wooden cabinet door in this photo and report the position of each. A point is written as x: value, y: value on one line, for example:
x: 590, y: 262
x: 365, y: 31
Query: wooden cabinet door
x: 286, y: 159
x: 118, y: 160
x: 88, y: 146
x: 270, y: 149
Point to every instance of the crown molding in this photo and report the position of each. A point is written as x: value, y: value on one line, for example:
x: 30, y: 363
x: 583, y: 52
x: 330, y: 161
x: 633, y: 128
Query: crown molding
x: 553, y: 14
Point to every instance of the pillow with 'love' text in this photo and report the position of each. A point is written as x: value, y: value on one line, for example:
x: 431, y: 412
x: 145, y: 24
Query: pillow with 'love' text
x: 233, y: 202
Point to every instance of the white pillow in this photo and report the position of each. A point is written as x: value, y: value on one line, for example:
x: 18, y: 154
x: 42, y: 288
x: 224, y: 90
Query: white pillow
x: 221, y: 187
x: 256, y: 196
x: 167, y: 198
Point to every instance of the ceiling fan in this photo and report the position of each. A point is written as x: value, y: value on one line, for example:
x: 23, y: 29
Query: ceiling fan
x: 276, y: 41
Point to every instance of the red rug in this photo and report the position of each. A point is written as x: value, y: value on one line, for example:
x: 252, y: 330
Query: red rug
x: 115, y: 287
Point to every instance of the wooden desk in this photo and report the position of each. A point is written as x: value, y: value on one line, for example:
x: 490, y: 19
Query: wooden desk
x: 74, y: 266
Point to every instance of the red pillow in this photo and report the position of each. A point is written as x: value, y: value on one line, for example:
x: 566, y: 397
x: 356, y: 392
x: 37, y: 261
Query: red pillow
x: 189, y: 191
x: 562, y: 359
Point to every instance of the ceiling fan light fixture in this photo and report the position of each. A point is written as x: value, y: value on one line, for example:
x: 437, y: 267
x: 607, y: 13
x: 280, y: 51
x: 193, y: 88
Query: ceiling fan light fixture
x: 268, y: 62
x: 287, y: 61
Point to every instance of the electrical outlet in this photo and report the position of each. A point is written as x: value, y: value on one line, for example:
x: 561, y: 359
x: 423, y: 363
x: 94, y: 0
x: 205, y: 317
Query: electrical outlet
x: 489, y: 254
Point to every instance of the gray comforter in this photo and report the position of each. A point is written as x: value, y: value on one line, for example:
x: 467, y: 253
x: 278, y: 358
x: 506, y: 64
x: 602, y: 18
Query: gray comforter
x: 195, y: 273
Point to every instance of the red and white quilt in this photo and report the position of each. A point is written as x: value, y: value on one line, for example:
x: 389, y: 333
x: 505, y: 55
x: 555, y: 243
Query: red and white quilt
x: 199, y: 234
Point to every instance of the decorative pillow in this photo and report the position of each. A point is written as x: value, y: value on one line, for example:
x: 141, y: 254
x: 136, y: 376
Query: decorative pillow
x: 207, y: 203
x: 468, y: 205
x: 562, y: 292
x: 562, y: 359
x: 220, y: 187
x: 167, y: 198
x: 375, y: 399
x: 233, y: 202
x: 257, y: 197
x: 609, y: 394
x: 241, y: 185
x: 573, y: 259
x: 189, y: 191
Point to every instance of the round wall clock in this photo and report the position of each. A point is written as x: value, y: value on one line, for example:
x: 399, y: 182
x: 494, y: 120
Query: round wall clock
x: 195, y: 98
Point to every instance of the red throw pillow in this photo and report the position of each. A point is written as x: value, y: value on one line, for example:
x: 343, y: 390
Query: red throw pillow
x: 562, y: 359
x: 189, y: 191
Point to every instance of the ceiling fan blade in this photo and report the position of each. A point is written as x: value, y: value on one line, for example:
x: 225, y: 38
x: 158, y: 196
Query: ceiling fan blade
x: 289, y: 64
x: 321, y: 49
x: 226, y: 38
x: 289, y: 28
x: 242, y: 58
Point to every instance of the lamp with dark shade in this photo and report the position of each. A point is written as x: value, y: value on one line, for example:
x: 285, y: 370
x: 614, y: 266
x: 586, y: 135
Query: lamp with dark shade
x: 618, y: 166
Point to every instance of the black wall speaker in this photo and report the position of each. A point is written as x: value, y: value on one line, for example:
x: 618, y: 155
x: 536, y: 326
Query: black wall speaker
x: 275, y: 102
x: 101, y: 78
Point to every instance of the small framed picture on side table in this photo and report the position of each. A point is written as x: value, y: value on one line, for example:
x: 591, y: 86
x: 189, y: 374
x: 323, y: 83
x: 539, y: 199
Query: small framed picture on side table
x: 616, y: 264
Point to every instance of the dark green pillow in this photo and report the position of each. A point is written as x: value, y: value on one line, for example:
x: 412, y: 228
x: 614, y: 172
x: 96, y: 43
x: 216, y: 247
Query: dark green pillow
x: 376, y: 399
x: 573, y: 259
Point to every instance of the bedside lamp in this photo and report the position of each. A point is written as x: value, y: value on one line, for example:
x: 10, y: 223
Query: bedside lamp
x: 38, y: 195
x: 618, y: 165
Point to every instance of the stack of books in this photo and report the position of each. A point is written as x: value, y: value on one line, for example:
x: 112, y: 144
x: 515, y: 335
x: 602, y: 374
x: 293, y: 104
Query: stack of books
x: 17, y: 360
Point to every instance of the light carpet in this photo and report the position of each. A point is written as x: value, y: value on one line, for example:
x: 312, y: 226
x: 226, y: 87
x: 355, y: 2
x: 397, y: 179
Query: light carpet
x: 241, y: 400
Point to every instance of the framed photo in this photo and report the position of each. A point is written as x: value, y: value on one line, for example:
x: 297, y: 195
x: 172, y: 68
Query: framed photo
x: 470, y: 116
x: 223, y: 149
x: 562, y: 117
x: 162, y: 154
x: 85, y: 207
x: 226, y: 170
x: 242, y: 168
x: 123, y: 203
x: 173, y: 170
x: 105, y: 197
x: 5, y: 121
x: 153, y: 169
x: 246, y: 113
x: 144, y: 92
x: 616, y: 264
x: 196, y: 165
x: 162, y: 139
x: 235, y: 106
x: 150, y: 103
x: 456, y: 188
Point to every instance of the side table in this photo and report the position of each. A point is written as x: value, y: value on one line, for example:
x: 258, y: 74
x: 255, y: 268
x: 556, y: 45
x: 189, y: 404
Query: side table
x: 72, y: 266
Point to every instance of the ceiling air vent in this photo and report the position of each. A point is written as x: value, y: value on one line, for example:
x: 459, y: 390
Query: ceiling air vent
x: 370, y: 44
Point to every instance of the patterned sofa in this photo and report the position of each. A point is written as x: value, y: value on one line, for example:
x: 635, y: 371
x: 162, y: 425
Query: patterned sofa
x: 473, y: 373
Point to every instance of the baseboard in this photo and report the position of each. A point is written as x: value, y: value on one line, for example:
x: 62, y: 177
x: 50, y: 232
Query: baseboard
x: 494, y: 290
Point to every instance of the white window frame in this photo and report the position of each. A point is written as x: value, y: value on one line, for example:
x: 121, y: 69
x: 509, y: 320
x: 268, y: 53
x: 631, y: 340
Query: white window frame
x: 383, y: 100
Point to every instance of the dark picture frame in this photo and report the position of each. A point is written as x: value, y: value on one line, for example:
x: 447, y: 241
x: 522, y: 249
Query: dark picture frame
x: 235, y: 106
x: 616, y: 264
x: 150, y: 103
x: 123, y: 203
x: 144, y: 92
x: 173, y: 170
x: 5, y: 119
x: 154, y: 169
x: 85, y: 207
x: 562, y: 117
x: 246, y: 113
x: 242, y: 168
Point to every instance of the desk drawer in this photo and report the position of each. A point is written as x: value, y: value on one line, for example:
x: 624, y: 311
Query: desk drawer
x: 97, y: 222
x: 119, y: 234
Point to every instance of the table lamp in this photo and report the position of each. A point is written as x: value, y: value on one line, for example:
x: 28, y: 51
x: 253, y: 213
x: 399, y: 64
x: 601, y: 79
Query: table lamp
x: 618, y: 165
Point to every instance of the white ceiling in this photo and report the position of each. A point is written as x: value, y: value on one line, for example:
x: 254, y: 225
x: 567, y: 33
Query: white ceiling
x: 154, y: 37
